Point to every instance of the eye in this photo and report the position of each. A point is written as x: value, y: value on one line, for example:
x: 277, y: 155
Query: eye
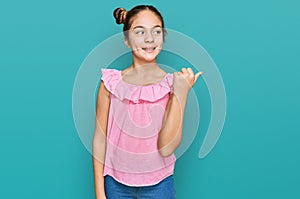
x: 157, y: 32
x: 139, y: 32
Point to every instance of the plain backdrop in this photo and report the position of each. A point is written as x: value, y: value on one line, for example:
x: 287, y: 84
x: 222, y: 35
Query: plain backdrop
x: 255, y: 45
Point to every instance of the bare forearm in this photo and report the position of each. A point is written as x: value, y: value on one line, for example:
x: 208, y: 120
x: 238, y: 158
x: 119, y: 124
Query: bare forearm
x: 98, y: 163
x: 99, y: 150
x: 171, y: 133
x: 99, y: 179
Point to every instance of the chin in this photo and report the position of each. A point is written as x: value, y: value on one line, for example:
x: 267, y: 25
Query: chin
x: 150, y: 58
x: 147, y: 57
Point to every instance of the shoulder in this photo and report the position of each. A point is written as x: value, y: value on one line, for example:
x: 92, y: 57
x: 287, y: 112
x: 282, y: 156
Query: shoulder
x: 165, y: 74
x: 108, y: 74
x: 169, y: 78
x: 109, y: 71
x: 110, y: 78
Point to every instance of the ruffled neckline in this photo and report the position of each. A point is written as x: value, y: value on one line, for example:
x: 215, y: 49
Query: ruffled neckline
x: 123, y: 90
x: 135, y: 85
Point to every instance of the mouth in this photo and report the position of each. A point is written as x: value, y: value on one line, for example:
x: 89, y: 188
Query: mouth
x: 149, y: 49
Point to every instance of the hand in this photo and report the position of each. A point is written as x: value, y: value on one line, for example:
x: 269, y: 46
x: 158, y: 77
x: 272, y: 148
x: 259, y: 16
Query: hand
x: 183, y: 81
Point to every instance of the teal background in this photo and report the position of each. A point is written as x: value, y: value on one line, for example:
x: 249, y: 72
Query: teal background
x: 255, y: 45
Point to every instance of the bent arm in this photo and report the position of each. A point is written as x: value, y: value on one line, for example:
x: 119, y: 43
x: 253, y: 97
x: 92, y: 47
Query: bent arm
x: 170, y: 135
x: 99, y: 140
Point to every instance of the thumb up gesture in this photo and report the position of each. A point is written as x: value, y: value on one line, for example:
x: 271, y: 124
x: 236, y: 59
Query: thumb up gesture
x: 184, y: 80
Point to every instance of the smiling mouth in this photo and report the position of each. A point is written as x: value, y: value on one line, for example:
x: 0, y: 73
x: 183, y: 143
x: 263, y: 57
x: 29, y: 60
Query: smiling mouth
x: 149, y: 50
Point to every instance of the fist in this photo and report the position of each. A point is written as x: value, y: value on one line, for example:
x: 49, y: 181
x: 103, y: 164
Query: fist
x: 183, y: 81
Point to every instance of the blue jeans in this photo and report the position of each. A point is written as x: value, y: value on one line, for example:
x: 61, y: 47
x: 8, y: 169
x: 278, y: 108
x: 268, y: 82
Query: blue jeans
x: 162, y: 190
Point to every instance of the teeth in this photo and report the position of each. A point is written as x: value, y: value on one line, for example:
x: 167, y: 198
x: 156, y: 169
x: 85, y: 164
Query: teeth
x: 148, y: 49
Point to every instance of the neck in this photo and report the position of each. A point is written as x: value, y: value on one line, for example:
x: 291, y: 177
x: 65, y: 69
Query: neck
x: 143, y: 66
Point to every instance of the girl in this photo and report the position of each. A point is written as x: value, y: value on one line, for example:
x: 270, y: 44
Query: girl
x: 139, y: 115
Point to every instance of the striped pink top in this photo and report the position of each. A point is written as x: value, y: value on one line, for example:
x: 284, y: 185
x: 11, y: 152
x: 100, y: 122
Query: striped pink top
x: 134, y: 122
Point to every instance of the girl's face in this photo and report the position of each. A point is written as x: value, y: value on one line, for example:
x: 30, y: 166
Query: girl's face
x: 145, y: 36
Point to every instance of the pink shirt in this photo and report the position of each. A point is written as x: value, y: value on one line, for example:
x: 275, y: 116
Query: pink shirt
x: 134, y: 121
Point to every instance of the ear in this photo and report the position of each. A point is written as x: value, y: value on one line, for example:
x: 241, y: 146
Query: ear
x: 127, y: 42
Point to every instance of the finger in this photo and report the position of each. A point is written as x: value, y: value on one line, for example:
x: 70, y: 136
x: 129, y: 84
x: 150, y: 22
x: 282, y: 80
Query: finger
x: 177, y: 73
x: 184, y: 70
x: 190, y: 71
x: 198, y: 75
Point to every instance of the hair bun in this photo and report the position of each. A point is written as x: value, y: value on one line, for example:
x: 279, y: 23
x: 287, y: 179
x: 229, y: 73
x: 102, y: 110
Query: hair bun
x: 120, y: 15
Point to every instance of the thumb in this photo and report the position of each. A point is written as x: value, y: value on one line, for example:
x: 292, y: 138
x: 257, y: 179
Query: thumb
x: 197, y: 76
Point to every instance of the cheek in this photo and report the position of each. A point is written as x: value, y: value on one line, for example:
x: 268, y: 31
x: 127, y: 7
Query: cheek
x: 136, y: 42
x: 159, y: 40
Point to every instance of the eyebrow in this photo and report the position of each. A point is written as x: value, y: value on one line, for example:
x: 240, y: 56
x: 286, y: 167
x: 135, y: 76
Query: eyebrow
x: 145, y: 27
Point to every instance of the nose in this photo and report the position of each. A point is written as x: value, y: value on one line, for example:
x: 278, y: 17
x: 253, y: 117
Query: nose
x: 149, y: 37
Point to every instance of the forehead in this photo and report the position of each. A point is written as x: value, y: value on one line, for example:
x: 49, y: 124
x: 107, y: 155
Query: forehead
x: 146, y: 18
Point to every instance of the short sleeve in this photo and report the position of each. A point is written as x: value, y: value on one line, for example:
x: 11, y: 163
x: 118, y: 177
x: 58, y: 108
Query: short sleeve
x: 169, y: 79
x: 110, y: 78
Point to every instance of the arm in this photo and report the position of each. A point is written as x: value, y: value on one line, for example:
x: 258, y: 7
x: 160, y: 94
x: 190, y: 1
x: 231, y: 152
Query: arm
x: 171, y: 133
x: 99, y: 141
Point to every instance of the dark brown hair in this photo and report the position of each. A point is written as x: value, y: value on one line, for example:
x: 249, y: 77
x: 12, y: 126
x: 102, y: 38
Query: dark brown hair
x: 126, y: 17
